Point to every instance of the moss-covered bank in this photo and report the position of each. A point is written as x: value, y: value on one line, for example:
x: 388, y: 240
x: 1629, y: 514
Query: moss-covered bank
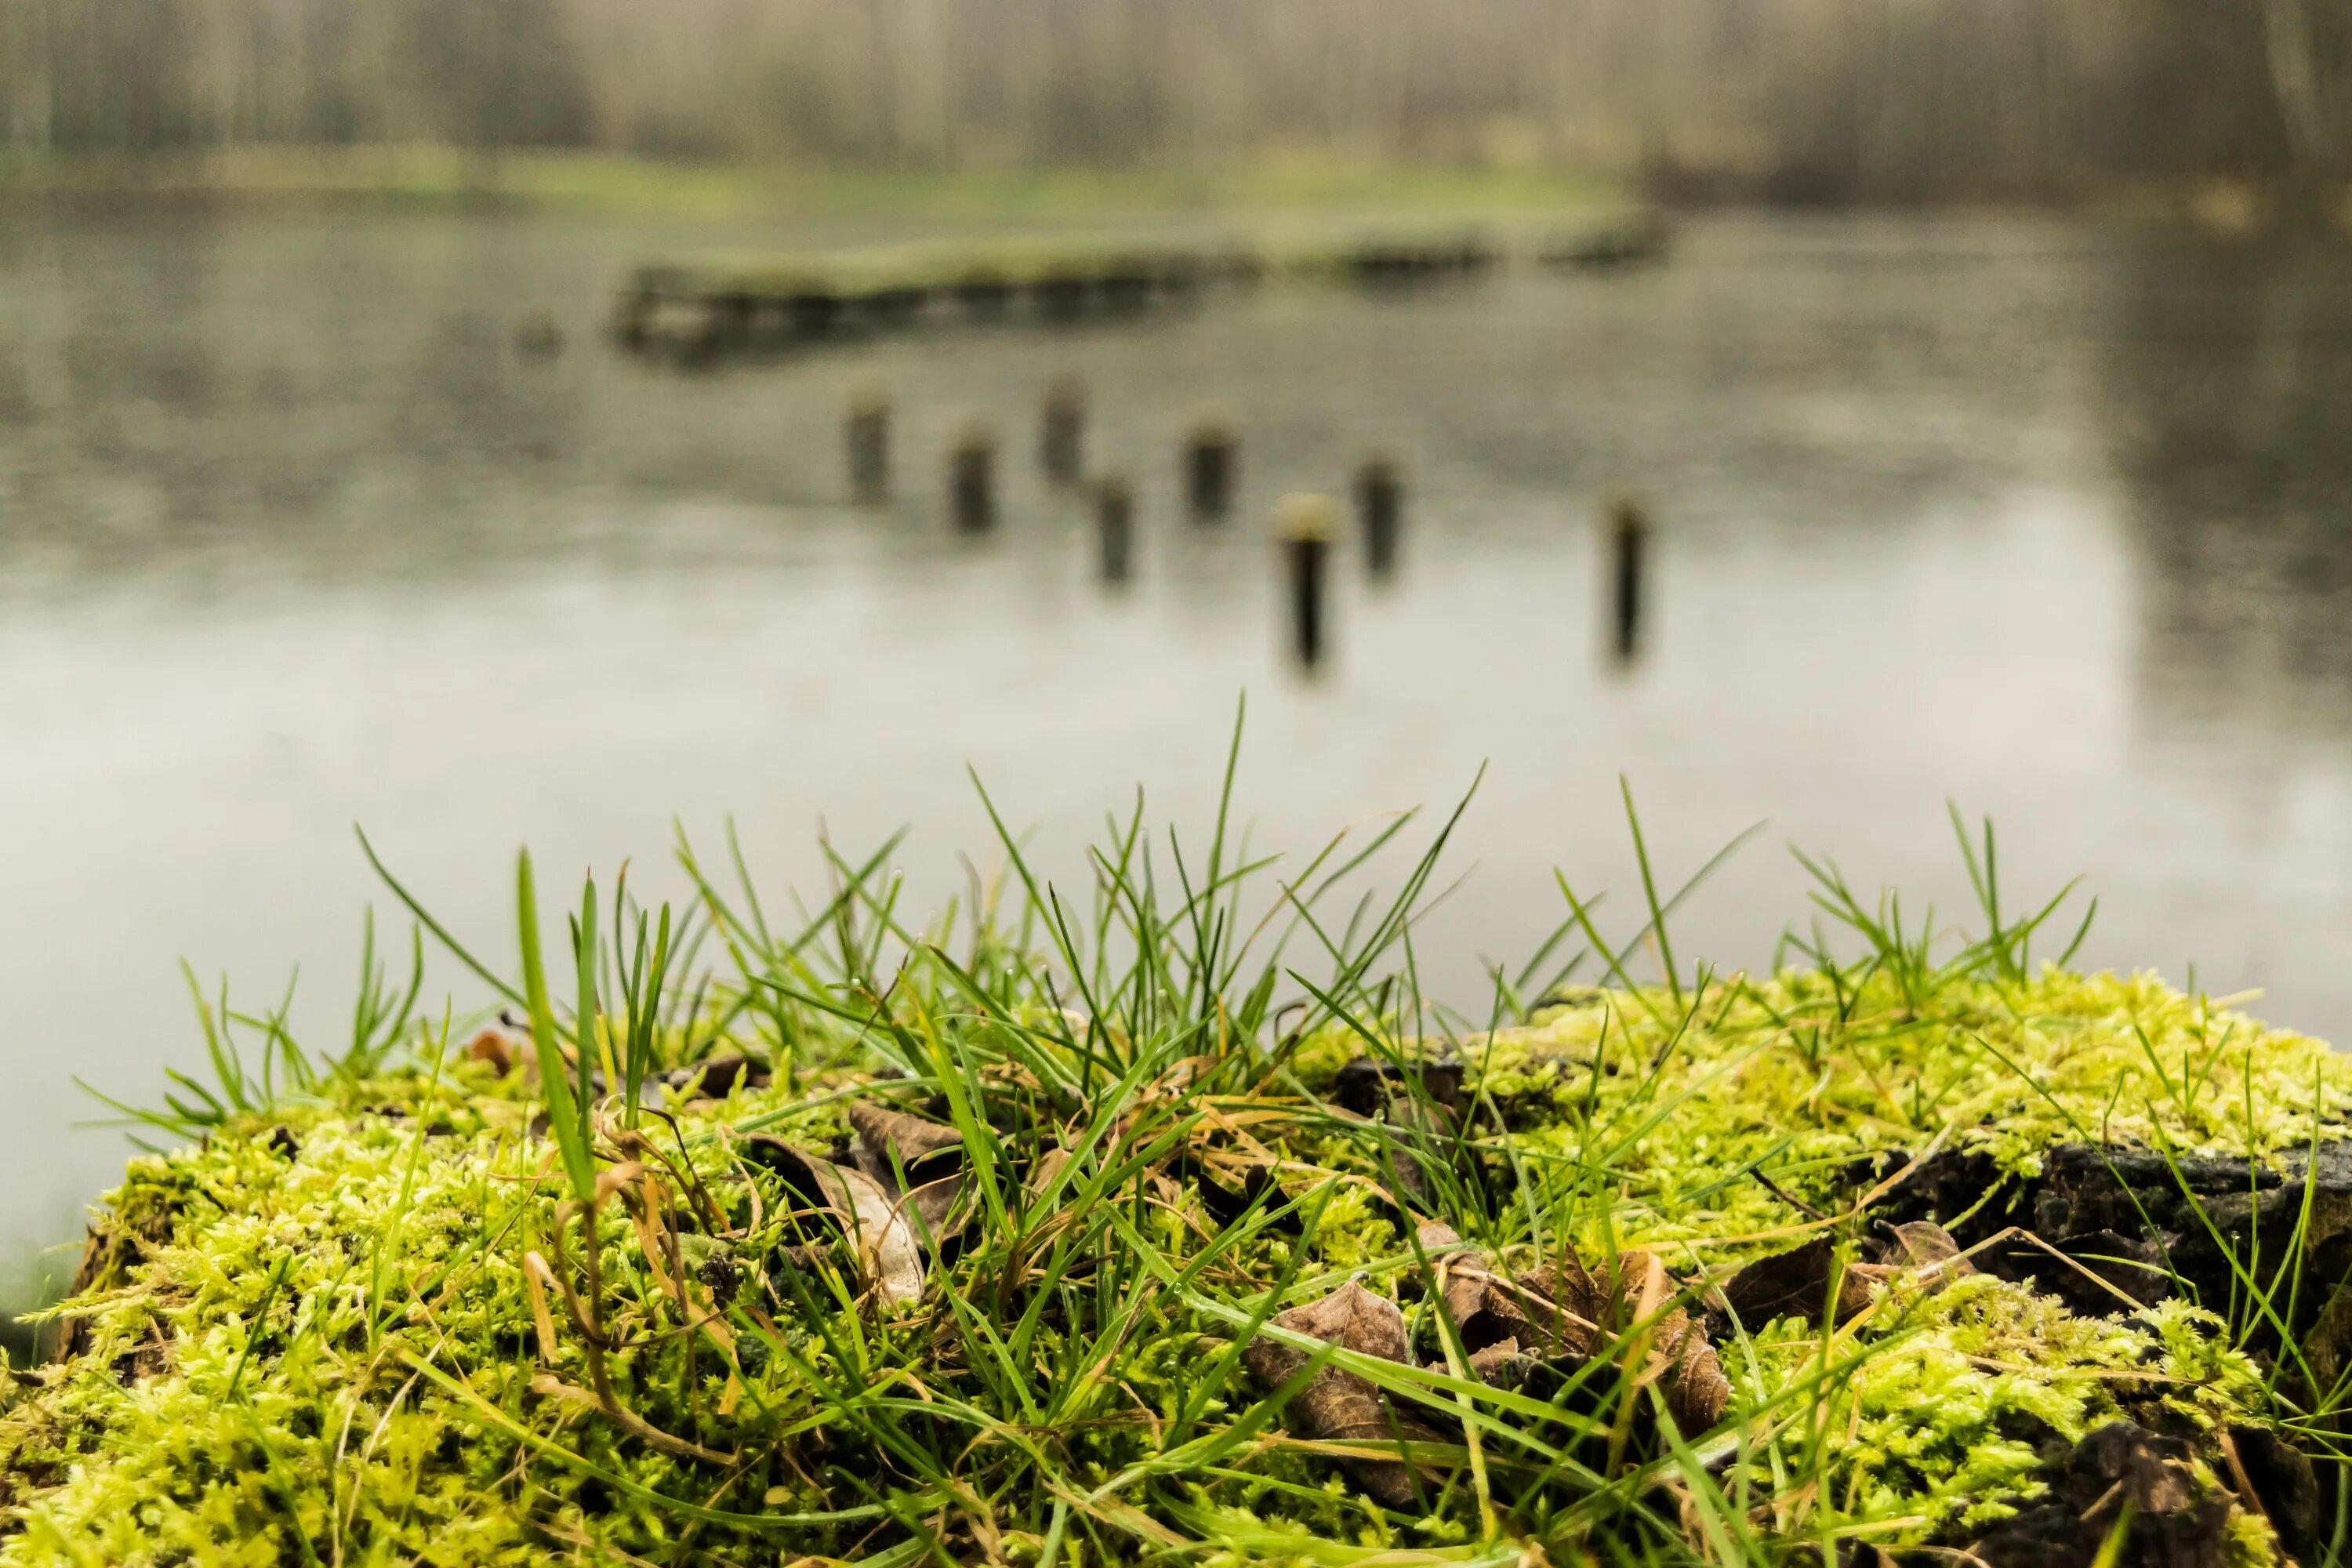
x: 1069, y: 1239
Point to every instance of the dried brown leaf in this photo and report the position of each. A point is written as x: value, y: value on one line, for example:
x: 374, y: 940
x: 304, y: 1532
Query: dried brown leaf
x: 1339, y: 1406
x: 1564, y: 1314
x: 1048, y: 1166
x: 888, y: 1256
x: 908, y: 1139
x: 1923, y: 1244
x: 1696, y: 1391
x: 1794, y: 1284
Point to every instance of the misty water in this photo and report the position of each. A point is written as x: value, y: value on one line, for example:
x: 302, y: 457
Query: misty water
x: 2044, y: 519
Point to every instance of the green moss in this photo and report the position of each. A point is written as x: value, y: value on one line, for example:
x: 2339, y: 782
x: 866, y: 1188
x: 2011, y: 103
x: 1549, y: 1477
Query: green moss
x: 1803, y: 1077
x: 311, y: 1336
x: 1952, y: 1399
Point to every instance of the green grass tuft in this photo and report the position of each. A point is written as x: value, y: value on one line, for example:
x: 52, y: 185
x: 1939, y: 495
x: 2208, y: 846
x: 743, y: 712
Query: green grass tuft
x: 508, y: 1300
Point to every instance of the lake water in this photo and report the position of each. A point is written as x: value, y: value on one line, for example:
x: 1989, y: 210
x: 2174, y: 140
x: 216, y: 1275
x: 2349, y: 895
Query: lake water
x: 2051, y: 520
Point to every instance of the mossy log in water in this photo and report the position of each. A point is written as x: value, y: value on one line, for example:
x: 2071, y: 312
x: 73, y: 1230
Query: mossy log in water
x: 884, y: 1246
x: 694, y: 310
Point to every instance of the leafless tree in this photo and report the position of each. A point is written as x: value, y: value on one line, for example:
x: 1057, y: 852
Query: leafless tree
x: 1825, y: 99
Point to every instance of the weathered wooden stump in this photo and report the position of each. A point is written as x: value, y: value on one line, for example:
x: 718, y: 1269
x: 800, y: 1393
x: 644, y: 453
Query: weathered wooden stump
x: 868, y: 432
x: 971, y: 480
x: 1209, y: 457
x: 1380, y: 509
x: 1629, y: 542
x: 1115, y: 527
x: 1061, y: 437
x: 1302, y: 526
x: 633, y: 317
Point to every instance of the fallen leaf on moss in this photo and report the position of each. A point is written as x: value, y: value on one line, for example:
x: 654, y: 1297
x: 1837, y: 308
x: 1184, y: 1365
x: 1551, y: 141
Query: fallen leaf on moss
x: 886, y: 1136
x: 1339, y: 1406
x: 1794, y: 1284
x: 1564, y: 1315
x: 918, y: 1162
x: 887, y: 1254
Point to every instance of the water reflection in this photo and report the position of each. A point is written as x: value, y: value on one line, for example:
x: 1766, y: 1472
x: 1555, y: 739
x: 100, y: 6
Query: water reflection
x: 292, y: 533
x: 2232, y: 377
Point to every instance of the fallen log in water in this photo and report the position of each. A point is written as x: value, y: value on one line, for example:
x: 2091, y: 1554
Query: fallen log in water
x: 695, y: 310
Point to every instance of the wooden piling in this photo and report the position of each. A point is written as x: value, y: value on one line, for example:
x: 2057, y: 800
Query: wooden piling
x: 633, y: 317
x: 1380, y: 511
x: 868, y: 430
x: 1115, y: 527
x: 1629, y: 539
x: 984, y: 295
x: 538, y: 336
x: 1302, y: 525
x: 971, y: 480
x: 813, y: 314
x: 1063, y: 296
x: 1061, y: 437
x: 1209, y: 452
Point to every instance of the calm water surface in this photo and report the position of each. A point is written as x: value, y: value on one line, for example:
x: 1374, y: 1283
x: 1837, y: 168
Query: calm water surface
x: 2050, y: 520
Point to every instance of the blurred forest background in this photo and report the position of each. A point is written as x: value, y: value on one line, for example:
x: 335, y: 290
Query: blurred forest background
x: 1821, y: 101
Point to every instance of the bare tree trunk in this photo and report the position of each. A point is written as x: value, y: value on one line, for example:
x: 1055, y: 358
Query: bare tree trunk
x: 2044, y: 98
x: 32, y: 91
x: 2294, y: 82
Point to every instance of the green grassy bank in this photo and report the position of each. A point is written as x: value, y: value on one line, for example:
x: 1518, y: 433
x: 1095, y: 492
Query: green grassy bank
x: 1166, y: 1219
x: 598, y: 183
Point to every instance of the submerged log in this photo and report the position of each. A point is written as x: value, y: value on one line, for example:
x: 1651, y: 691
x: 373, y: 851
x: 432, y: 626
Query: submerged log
x: 817, y: 294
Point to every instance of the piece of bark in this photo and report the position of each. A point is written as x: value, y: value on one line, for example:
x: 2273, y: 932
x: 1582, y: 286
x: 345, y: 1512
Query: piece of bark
x: 2117, y: 1275
x: 1364, y: 1084
x: 2174, y: 1519
x: 2285, y: 1487
x: 1337, y: 1406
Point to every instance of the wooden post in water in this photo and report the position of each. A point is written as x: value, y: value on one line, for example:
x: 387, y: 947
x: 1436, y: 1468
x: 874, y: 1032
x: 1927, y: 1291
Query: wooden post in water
x: 1115, y: 527
x: 1061, y: 437
x: 972, y: 475
x: 1302, y: 523
x: 868, y: 430
x: 1380, y: 509
x: 538, y: 336
x: 1629, y: 542
x: 1208, y: 460
x: 633, y: 317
